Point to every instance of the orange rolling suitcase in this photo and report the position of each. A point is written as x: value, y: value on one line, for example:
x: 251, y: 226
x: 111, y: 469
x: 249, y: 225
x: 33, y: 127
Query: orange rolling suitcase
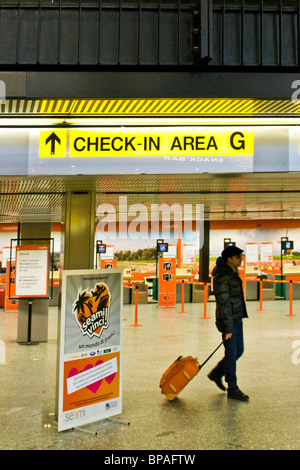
x: 180, y: 373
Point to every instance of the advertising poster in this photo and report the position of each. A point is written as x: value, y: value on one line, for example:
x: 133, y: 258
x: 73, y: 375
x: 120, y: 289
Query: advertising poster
x: 32, y: 272
x: 188, y: 253
x: 90, y: 370
x: 172, y: 251
x: 266, y: 252
x: 251, y: 252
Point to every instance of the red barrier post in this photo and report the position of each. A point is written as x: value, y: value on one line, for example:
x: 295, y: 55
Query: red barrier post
x: 136, y: 306
x: 291, y: 300
x: 205, y: 317
x: 182, y: 297
x: 260, y: 309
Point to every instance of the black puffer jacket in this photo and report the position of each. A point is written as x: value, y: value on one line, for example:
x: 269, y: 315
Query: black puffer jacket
x: 228, y: 290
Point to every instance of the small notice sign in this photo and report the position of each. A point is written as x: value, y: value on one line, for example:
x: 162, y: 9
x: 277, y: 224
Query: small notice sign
x: 32, y: 273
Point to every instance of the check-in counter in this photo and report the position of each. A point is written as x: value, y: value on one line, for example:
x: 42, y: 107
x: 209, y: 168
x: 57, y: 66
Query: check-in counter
x: 252, y: 284
x: 150, y: 282
x: 269, y: 288
x: 183, y: 274
x: 142, y: 292
x: 292, y: 272
x: 197, y: 293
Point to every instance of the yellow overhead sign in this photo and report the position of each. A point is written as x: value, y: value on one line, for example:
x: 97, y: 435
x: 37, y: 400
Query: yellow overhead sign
x: 147, y: 142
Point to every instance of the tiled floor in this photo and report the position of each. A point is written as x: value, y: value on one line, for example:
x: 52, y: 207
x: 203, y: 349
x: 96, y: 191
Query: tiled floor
x: 201, y: 418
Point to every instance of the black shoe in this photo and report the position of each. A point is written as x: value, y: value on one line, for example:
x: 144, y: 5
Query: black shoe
x: 239, y: 395
x: 218, y: 382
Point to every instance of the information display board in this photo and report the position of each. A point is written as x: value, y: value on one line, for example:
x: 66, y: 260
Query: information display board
x: 90, y: 347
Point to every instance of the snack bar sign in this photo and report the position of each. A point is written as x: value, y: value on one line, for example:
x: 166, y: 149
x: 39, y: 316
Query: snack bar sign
x: 146, y: 142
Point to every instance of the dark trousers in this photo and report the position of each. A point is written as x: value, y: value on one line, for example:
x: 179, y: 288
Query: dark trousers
x: 234, y: 348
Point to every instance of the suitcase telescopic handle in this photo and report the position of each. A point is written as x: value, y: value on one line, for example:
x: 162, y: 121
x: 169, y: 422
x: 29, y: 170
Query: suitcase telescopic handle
x: 201, y: 365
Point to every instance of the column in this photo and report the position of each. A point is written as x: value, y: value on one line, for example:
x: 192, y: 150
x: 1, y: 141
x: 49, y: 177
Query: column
x: 79, y: 230
x: 77, y: 243
x: 204, y: 253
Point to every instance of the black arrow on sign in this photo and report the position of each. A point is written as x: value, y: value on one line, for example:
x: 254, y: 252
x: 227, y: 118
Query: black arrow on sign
x: 52, y: 138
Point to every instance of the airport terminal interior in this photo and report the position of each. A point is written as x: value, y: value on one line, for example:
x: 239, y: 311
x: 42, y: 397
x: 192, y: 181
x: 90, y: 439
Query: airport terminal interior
x: 138, y: 139
x: 154, y: 334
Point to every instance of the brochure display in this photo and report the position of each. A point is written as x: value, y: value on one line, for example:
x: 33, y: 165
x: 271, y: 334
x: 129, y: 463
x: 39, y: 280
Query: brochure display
x: 90, y: 370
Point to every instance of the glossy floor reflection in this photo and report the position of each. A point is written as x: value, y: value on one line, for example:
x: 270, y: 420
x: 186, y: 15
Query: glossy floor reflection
x: 201, y: 418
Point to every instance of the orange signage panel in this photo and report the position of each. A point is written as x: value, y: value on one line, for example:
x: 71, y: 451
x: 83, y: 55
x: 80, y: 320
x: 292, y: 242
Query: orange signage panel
x: 167, y: 282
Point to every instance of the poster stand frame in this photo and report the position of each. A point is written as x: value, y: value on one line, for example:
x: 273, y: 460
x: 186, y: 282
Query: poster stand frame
x: 94, y: 432
x: 30, y: 299
x: 51, y: 255
x: 29, y: 342
x: 111, y: 419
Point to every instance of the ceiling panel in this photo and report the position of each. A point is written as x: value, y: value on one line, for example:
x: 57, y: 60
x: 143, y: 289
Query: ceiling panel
x: 221, y: 107
x: 225, y: 197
